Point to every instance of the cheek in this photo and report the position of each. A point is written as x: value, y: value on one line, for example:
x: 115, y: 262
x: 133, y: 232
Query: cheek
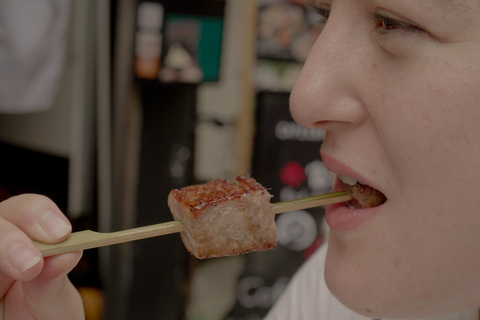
x: 434, y: 147
x: 401, y: 277
x: 430, y: 128
x: 419, y: 257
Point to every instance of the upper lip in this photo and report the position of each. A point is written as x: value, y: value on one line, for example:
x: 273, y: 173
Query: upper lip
x: 339, y: 168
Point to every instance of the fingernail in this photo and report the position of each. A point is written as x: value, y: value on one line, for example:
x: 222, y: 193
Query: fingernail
x: 53, y: 225
x: 22, y: 257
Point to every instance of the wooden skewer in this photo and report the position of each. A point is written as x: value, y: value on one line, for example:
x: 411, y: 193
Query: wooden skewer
x: 311, y: 202
x: 89, y: 239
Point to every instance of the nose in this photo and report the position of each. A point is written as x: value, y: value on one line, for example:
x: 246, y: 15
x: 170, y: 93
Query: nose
x: 328, y: 90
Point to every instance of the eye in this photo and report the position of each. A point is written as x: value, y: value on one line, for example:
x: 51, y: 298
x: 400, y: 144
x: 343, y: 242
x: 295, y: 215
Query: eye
x: 319, y: 15
x: 323, y: 12
x: 385, y: 24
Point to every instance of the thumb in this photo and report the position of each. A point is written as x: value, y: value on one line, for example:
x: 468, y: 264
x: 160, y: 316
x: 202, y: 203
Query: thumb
x: 51, y: 295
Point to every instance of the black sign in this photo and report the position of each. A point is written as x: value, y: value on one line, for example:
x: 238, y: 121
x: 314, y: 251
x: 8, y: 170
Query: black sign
x: 287, y: 162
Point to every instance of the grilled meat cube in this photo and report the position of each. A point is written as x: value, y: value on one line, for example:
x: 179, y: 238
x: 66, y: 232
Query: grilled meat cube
x: 225, y: 218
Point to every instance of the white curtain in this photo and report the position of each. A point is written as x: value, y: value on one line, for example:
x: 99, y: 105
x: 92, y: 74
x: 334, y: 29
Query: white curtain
x: 33, y: 37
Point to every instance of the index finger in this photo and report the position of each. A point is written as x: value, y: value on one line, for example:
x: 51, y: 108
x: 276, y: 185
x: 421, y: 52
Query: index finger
x: 37, y: 216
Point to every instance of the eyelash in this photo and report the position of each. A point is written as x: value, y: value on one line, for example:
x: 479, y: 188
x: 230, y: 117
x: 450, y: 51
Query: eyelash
x: 323, y: 12
x: 381, y: 23
x: 384, y: 24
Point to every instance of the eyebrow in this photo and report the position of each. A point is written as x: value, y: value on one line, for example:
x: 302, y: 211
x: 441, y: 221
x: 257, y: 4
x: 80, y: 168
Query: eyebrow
x: 455, y: 3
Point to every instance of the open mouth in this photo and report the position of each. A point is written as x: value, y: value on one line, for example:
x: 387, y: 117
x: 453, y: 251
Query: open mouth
x: 363, y: 195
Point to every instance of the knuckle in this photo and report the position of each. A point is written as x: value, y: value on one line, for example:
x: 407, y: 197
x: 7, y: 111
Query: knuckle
x: 33, y: 203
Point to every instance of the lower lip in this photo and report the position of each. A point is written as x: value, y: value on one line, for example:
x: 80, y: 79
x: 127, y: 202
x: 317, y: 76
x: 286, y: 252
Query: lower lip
x: 342, y: 219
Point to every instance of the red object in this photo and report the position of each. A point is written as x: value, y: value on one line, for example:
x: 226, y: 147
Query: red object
x: 293, y: 175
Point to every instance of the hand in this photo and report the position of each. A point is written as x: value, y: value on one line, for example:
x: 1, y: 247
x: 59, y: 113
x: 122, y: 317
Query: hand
x: 32, y: 287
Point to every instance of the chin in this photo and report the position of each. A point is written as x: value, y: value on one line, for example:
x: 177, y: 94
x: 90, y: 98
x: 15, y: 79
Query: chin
x: 373, y: 289
x: 367, y: 302
x: 351, y: 296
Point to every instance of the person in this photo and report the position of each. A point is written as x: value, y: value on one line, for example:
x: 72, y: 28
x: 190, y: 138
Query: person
x: 32, y: 53
x: 32, y: 287
x: 395, y: 85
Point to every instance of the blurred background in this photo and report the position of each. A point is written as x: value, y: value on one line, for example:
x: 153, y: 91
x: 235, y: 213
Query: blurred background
x: 107, y: 105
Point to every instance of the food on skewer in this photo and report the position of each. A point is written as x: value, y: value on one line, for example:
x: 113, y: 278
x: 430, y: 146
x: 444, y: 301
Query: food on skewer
x: 363, y: 195
x: 224, y: 218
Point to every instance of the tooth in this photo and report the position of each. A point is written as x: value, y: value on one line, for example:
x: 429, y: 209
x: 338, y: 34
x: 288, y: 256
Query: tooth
x: 348, y: 180
x: 350, y: 206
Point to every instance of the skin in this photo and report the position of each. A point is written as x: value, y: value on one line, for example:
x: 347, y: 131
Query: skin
x: 33, y: 287
x: 401, y: 106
